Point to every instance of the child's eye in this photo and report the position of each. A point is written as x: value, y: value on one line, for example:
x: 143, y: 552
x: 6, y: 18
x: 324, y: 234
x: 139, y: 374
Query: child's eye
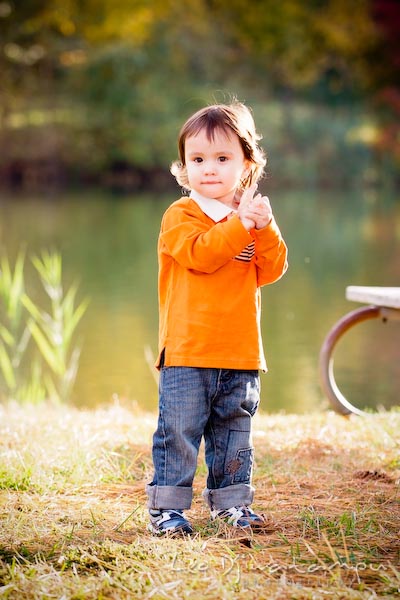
x: 198, y: 159
x: 222, y: 159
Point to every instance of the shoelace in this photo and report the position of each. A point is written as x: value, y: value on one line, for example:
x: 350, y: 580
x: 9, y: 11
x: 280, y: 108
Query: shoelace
x: 168, y: 515
x: 236, y: 513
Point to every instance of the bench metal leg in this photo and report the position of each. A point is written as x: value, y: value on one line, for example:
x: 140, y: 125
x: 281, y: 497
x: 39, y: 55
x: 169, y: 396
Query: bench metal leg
x: 339, y: 403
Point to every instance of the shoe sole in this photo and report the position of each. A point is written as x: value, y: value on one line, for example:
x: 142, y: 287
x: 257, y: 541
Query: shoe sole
x: 172, y: 532
x: 251, y: 526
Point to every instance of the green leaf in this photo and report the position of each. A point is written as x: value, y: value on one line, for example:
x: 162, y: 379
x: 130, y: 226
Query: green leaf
x: 49, y: 267
x: 7, y: 369
x: 7, y: 336
x: 17, y: 285
x: 48, y: 353
x: 68, y: 302
x: 12, y: 285
x: 31, y: 307
x: 52, y: 389
x: 5, y: 274
x: 33, y: 391
x: 72, y: 323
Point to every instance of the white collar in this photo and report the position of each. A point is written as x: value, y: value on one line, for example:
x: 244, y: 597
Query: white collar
x: 214, y: 209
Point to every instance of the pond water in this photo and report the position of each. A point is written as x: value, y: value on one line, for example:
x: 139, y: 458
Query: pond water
x: 335, y: 239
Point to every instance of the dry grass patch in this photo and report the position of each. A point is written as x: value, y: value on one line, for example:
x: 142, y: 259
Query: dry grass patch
x: 73, y: 517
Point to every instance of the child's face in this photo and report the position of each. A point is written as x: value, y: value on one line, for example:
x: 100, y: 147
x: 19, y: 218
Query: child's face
x: 215, y: 168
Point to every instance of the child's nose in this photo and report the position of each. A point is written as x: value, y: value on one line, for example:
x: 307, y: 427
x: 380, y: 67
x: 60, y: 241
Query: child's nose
x: 209, y: 167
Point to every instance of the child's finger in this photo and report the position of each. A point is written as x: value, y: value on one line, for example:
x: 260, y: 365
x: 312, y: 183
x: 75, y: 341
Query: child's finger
x: 266, y: 201
x: 248, y: 194
x: 261, y: 202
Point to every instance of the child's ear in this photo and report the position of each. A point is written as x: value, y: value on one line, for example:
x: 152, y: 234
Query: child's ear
x: 247, y: 174
x: 247, y: 168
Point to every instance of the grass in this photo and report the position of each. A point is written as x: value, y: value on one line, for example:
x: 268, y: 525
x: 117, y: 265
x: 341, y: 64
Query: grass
x: 73, y: 517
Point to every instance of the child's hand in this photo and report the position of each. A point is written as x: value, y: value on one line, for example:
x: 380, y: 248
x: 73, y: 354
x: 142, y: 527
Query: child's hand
x: 254, y: 211
x: 243, y: 211
x: 261, y: 209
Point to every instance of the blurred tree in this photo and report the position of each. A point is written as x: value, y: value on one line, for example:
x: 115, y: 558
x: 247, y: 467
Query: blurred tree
x: 31, y: 93
x: 295, y: 45
x: 110, y: 81
x: 386, y: 14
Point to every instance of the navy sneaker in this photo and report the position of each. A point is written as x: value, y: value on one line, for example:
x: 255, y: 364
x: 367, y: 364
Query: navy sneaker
x: 169, y: 521
x: 239, y: 516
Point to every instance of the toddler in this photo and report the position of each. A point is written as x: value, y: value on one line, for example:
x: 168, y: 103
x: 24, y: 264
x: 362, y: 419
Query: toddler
x: 217, y: 246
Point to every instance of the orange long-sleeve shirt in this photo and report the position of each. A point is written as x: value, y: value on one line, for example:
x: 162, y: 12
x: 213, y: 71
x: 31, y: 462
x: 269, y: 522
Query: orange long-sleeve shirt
x: 210, y: 272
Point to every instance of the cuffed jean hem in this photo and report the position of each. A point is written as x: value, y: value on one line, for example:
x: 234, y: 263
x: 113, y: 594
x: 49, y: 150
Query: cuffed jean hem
x: 169, y: 496
x: 241, y: 494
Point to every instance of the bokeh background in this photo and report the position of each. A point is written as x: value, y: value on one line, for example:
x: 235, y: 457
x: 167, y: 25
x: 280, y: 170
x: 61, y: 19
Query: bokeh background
x: 92, y: 96
x: 97, y: 89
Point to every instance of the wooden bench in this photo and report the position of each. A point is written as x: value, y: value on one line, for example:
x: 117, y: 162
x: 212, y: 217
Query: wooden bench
x: 384, y: 303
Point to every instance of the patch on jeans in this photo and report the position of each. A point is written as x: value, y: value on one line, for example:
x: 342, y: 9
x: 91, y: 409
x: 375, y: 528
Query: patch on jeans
x: 244, y: 458
x: 233, y: 466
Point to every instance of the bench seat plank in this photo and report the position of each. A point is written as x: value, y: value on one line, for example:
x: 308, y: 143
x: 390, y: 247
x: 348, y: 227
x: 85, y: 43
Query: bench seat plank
x: 378, y: 296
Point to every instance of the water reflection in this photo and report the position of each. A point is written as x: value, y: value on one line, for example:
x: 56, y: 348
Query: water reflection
x: 109, y: 244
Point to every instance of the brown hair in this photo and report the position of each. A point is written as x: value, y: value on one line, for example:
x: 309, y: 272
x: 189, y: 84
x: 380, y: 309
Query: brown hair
x: 236, y: 118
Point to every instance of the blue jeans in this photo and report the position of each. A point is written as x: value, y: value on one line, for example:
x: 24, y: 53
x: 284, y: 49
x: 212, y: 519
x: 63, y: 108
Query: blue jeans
x: 217, y: 404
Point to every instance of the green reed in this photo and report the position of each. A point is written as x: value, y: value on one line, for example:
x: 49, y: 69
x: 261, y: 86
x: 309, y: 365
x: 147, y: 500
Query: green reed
x: 38, y: 355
